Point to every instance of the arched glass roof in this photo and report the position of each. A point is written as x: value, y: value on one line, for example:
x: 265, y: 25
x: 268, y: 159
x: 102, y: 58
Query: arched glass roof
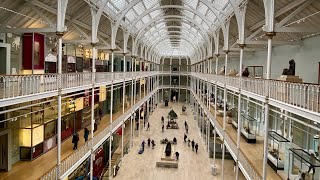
x: 157, y: 19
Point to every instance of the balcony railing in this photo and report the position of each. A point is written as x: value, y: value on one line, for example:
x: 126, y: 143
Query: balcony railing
x: 303, y: 95
x: 22, y: 85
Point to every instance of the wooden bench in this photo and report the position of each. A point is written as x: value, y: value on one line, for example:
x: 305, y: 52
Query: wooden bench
x: 167, y: 164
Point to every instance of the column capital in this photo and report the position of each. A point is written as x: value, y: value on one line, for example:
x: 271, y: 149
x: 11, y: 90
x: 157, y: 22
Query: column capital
x: 217, y: 55
x: 93, y: 44
x: 270, y: 34
x: 59, y: 34
x: 242, y: 45
x: 226, y: 51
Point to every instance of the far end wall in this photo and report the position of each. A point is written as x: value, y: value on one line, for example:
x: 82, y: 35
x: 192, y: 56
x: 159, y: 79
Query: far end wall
x: 306, y: 56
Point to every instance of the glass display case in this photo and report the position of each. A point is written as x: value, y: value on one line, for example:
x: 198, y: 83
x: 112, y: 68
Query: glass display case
x: 249, y: 128
x: 301, y: 163
x: 276, y: 150
x: 234, y: 122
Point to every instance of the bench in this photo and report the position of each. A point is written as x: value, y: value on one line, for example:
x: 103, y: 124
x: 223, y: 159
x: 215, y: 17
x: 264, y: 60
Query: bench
x: 165, y: 142
x: 167, y: 164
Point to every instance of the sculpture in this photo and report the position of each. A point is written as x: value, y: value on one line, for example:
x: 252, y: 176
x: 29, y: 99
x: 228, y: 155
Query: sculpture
x: 168, y: 149
x: 292, y: 69
x: 222, y: 71
x: 232, y: 72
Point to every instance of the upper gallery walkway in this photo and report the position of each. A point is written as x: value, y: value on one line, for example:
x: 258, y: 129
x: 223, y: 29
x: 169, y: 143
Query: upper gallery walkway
x: 191, y: 166
x: 21, y: 88
x: 45, y: 165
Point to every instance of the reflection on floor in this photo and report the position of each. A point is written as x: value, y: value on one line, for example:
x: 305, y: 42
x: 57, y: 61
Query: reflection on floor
x: 191, y: 165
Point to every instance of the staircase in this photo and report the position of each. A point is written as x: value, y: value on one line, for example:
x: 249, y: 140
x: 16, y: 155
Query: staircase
x: 114, y: 160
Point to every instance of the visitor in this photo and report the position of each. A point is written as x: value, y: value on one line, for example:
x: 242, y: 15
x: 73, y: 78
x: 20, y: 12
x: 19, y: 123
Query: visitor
x: 185, y: 138
x: 148, y: 126
x: 142, y: 145
x: 312, y: 162
x: 86, y: 134
x: 149, y: 140
x: 177, y: 155
x: 137, y: 125
x: 153, y: 144
x: 192, y: 145
x: 188, y: 142
x: 185, y: 124
x: 187, y: 129
x: 196, y: 146
x: 162, y: 120
x: 174, y: 99
x: 162, y: 128
x: 174, y: 140
x: 245, y: 73
x: 75, y: 140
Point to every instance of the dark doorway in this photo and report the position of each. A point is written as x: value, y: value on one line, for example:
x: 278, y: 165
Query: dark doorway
x: 4, y: 152
x: 175, y: 93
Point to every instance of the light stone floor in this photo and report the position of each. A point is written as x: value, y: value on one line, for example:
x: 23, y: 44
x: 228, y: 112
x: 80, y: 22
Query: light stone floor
x: 192, y: 166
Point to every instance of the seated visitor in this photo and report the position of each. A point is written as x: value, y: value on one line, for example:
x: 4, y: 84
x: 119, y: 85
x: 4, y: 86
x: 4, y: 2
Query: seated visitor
x: 174, y: 140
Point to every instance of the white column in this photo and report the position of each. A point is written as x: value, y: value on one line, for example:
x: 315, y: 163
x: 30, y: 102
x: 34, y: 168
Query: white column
x: 111, y: 136
x: 266, y: 117
x: 92, y: 106
x: 239, y: 110
x: 59, y: 102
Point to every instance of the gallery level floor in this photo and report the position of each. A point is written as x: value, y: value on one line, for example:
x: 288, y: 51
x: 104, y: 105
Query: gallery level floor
x: 192, y: 166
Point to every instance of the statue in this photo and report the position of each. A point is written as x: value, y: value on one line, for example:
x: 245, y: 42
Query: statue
x: 292, y: 69
x: 222, y: 71
x: 168, y: 149
x: 232, y: 72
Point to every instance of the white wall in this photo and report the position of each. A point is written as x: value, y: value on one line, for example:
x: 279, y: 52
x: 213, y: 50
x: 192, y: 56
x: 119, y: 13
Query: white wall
x: 306, y: 57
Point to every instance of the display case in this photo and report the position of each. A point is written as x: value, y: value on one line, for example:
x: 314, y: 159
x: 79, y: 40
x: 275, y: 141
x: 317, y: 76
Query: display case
x: 301, y: 162
x: 249, y: 128
x: 234, y: 122
x: 276, y: 150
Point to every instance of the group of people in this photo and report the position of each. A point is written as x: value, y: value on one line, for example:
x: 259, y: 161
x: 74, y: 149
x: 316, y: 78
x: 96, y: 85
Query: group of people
x: 75, y: 138
x: 194, y: 145
x: 150, y: 143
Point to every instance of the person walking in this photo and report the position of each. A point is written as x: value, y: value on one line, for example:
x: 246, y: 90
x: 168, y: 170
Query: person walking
x: 187, y: 129
x: 185, y: 124
x: 196, y: 147
x: 142, y: 145
x: 177, y: 155
x: 149, y: 140
x: 192, y: 145
x: 153, y: 144
x: 86, y: 134
x: 148, y: 126
x: 162, y: 120
x: 162, y: 127
x: 188, y: 142
x: 75, y: 140
x: 185, y: 138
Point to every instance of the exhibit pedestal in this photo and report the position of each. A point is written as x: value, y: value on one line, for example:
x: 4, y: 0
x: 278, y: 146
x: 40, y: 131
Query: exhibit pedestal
x: 289, y: 78
x: 214, y: 170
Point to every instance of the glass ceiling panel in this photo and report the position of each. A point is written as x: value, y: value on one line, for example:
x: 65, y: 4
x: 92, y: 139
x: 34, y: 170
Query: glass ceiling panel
x: 150, y: 3
x: 202, y: 8
x: 120, y: 4
x: 139, y: 8
x: 192, y: 3
x: 131, y: 15
x: 146, y: 19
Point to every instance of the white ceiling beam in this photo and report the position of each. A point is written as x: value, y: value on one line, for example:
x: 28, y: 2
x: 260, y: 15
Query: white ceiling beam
x: 279, y: 13
x: 27, y: 30
x: 44, y: 17
x: 274, y: 42
x: 294, y: 13
x: 297, y: 29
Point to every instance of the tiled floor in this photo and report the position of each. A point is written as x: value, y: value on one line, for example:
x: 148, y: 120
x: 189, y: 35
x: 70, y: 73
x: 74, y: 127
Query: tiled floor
x: 191, y: 165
